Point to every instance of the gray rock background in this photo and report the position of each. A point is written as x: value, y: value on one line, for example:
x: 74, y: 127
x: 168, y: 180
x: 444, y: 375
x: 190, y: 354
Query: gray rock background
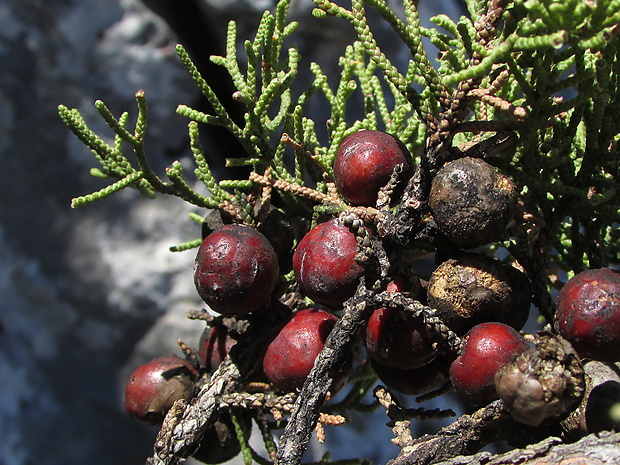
x: 86, y: 295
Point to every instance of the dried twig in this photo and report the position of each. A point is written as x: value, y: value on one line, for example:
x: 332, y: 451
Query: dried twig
x: 183, y: 430
x: 303, y: 420
x: 464, y: 436
x: 595, y: 449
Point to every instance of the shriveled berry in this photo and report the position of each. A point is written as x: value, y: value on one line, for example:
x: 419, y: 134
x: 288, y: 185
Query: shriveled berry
x: 472, y: 202
x: 154, y: 387
x: 588, y: 314
x: 236, y: 269
x: 415, y: 381
x: 543, y: 383
x: 474, y: 288
x: 397, y: 339
x: 324, y: 264
x: 291, y: 355
x: 364, y: 163
x: 487, y: 348
x: 213, y: 346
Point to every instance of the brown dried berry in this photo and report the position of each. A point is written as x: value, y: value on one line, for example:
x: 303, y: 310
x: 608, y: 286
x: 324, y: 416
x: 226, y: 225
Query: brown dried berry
x: 474, y: 288
x: 544, y: 383
x: 472, y: 203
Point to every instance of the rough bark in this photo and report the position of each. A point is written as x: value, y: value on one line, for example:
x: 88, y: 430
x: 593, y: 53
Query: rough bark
x: 455, y: 444
x: 296, y: 436
x: 595, y: 449
x: 185, y: 425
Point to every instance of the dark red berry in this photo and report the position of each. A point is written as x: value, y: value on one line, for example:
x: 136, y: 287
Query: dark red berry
x: 291, y: 355
x: 364, y: 163
x: 397, y: 339
x: 487, y: 348
x: 213, y: 346
x: 416, y: 381
x: 236, y: 269
x: 325, y: 266
x: 475, y: 288
x: 472, y: 202
x: 154, y: 387
x: 588, y: 314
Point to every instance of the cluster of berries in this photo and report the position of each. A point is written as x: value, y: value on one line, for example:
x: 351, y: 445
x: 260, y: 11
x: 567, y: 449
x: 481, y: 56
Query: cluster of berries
x: 153, y: 388
x: 480, y: 299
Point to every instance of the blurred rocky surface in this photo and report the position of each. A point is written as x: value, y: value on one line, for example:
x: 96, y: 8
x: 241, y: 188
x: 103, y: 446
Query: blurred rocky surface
x: 86, y: 295
x: 81, y: 290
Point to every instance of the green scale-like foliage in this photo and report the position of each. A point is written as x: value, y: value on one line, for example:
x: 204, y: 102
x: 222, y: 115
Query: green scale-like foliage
x: 544, y: 70
x: 533, y: 86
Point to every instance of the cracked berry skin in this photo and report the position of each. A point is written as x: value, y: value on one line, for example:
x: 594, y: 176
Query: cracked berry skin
x: 397, y: 339
x: 236, y: 270
x: 487, y: 348
x: 544, y: 383
x: 588, y: 314
x: 472, y: 202
x: 290, y: 356
x: 473, y: 288
x: 154, y: 387
x: 364, y: 163
x: 324, y: 264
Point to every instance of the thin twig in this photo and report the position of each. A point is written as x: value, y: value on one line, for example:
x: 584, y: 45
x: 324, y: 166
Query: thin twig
x: 302, y: 422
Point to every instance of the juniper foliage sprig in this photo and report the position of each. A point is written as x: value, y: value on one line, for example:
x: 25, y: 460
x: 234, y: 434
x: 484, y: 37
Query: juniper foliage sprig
x: 557, y: 78
x: 552, y: 77
x: 546, y: 70
x: 549, y: 70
